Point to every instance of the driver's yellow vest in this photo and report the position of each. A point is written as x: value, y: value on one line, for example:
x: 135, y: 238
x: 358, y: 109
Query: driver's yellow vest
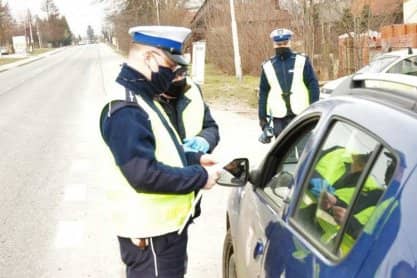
x: 140, y: 215
x: 193, y: 114
x: 299, y: 95
x: 331, y: 228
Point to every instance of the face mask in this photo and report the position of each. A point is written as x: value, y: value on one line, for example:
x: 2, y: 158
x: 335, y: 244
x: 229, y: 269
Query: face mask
x: 282, y: 50
x: 161, y: 79
x: 177, y: 88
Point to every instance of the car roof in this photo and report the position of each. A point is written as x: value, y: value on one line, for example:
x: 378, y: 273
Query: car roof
x: 397, y: 90
x: 399, y: 53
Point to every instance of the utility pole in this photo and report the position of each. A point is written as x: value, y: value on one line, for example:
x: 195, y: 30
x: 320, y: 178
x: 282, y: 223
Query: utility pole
x: 26, y: 34
x: 39, y: 33
x: 29, y: 17
x: 157, y: 12
x: 238, y: 68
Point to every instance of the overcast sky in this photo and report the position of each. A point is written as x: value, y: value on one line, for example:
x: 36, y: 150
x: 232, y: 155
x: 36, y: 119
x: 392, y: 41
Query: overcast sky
x: 79, y: 13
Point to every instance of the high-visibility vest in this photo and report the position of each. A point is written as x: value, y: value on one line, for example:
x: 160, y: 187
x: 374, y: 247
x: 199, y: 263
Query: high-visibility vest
x: 331, y: 166
x: 139, y: 215
x: 193, y: 114
x: 299, y: 95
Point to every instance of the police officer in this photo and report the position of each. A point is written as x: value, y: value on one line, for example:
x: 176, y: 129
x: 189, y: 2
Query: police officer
x: 188, y: 112
x: 152, y: 207
x: 288, y: 84
x: 190, y: 115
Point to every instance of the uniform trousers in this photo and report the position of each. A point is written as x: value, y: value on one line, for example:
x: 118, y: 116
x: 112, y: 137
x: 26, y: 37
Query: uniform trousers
x: 280, y: 124
x: 164, y: 257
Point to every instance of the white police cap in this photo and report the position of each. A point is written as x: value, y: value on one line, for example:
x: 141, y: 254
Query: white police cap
x: 281, y: 34
x: 171, y: 39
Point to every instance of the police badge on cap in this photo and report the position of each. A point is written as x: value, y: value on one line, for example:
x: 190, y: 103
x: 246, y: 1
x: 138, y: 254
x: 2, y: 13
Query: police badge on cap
x: 281, y: 34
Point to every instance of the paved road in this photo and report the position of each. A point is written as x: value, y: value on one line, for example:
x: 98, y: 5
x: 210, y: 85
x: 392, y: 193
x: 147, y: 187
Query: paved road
x: 55, y: 169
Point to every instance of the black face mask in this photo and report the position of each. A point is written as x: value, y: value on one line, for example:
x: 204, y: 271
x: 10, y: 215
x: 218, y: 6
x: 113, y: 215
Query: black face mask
x: 282, y: 50
x: 177, y: 88
x: 161, y: 79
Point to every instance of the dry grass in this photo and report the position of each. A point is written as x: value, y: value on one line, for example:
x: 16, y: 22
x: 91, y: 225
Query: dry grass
x: 4, y: 61
x: 37, y: 51
x: 221, y: 88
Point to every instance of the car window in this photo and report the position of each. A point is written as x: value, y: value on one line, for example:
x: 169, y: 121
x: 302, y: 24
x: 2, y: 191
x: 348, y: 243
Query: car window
x: 279, y: 187
x: 347, y: 181
x: 378, y: 65
x: 406, y: 66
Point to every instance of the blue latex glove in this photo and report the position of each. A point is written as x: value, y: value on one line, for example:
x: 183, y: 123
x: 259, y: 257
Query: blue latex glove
x: 196, y: 144
x: 318, y: 185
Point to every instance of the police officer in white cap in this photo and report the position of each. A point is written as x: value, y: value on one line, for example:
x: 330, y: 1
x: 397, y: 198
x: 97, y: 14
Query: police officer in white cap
x: 288, y: 85
x: 154, y: 203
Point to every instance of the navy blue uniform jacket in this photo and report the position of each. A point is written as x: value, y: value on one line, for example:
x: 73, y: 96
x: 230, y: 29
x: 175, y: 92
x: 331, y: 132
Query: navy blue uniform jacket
x: 284, y: 65
x: 128, y: 134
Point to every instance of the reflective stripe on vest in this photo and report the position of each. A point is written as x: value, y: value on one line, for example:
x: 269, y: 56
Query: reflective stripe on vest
x: 193, y: 114
x: 299, y: 95
x: 139, y: 215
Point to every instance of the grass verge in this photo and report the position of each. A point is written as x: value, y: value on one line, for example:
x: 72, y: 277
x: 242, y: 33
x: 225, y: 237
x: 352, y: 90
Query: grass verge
x: 221, y: 87
x: 4, y: 61
x: 37, y: 51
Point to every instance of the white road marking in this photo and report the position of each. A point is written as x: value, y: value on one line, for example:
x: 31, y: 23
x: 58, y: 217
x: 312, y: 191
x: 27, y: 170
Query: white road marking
x: 70, y: 234
x: 75, y: 193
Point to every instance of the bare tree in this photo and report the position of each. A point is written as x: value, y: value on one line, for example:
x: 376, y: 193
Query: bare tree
x: 55, y: 28
x: 123, y: 14
x: 7, y: 24
x: 90, y: 33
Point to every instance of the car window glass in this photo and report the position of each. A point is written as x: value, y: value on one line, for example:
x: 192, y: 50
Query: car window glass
x: 406, y: 66
x: 378, y: 65
x: 278, y: 188
x: 324, y: 205
x: 367, y: 199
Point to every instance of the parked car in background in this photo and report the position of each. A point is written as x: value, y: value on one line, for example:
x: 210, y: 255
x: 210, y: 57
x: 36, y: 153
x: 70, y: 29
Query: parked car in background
x: 3, y: 50
x: 336, y: 194
x: 400, y: 61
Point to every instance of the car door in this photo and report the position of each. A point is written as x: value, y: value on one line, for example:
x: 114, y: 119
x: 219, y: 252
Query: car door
x: 267, y: 201
x: 334, y: 209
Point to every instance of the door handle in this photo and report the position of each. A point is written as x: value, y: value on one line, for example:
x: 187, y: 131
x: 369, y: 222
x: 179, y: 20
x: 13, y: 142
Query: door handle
x: 259, y: 249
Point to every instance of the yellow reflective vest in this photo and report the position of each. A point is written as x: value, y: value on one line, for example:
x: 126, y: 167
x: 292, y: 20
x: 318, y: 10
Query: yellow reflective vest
x: 140, y: 215
x: 193, y: 114
x: 299, y: 95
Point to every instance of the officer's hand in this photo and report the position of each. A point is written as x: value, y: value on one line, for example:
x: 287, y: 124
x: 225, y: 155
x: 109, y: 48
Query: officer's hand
x: 208, y: 160
x: 338, y: 214
x: 196, y: 144
x: 213, y: 175
x: 318, y: 185
x: 327, y: 201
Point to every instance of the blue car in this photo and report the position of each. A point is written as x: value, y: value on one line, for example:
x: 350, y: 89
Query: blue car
x: 336, y: 195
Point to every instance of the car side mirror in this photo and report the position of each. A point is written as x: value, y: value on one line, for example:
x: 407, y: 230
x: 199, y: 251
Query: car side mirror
x: 235, y: 173
x: 254, y: 177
